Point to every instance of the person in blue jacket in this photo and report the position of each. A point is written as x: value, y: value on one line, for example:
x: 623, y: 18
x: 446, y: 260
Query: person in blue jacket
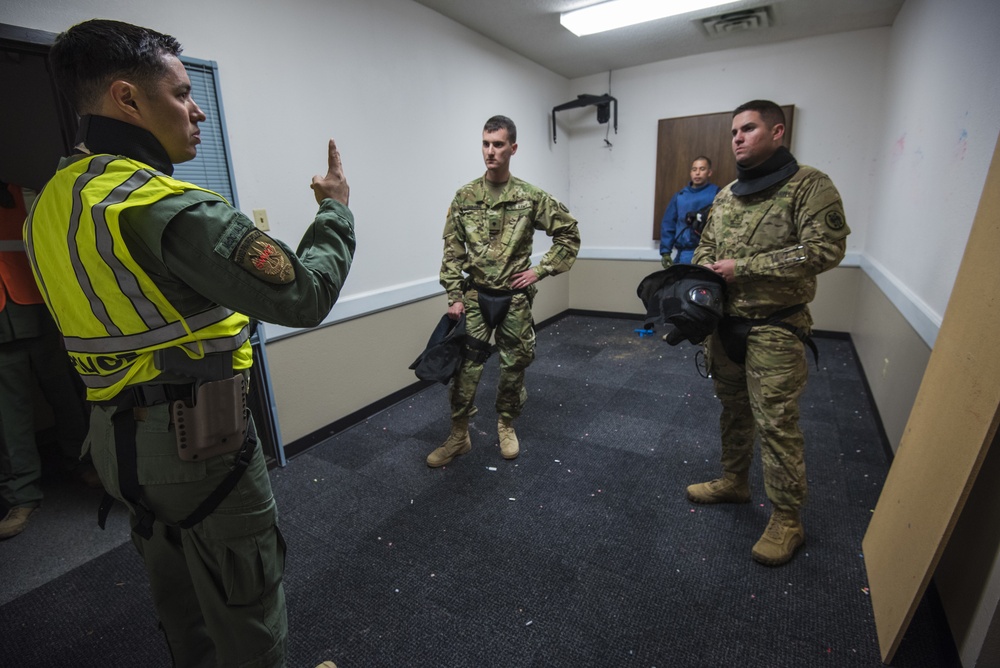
x: 675, y: 232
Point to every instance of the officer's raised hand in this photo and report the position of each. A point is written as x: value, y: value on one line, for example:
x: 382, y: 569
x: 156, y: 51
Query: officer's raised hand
x: 333, y: 185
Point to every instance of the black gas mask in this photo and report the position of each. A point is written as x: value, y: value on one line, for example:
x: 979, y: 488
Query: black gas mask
x: 687, y: 297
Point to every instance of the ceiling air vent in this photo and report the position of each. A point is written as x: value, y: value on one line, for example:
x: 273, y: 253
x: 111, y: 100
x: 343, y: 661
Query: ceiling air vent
x: 732, y: 22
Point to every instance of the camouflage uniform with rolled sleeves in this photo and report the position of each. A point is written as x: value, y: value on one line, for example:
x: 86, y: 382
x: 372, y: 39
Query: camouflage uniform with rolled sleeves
x: 781, y: 238
x: 487, y: 240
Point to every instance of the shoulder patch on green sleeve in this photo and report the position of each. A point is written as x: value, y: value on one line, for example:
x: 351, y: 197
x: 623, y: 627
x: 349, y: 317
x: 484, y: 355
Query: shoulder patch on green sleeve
x: 260, y: 255
x: 831, y: 222
x: 834, y: 220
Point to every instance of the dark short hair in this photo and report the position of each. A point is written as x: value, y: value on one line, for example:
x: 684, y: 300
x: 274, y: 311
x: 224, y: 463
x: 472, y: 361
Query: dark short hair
x: 769, y: 112
x: 502, y: 123
x: 705, y: 158
x: 89, y: 56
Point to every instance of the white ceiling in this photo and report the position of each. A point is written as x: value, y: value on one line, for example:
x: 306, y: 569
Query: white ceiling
x: 532, y: 29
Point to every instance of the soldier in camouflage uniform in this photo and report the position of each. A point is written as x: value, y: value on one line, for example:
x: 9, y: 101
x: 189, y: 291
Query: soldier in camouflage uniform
x: 769, y: 234
x: 487, y: 248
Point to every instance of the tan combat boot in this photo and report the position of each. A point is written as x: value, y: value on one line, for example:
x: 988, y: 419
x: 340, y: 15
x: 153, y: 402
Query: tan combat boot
x: 509, y: 446
x: 457, y: 443
x: 783, y: 535
x: 14, y: 521
x: 730, y: 488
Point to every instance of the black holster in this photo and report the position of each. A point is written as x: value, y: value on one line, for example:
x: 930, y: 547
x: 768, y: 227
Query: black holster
x: 214, y: 422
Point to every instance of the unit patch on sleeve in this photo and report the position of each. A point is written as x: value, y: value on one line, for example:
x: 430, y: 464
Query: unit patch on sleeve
x: 264, y: 258
x: 835, y: 220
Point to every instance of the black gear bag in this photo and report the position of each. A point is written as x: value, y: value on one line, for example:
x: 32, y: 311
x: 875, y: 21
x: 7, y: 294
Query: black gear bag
x: 443, y: 355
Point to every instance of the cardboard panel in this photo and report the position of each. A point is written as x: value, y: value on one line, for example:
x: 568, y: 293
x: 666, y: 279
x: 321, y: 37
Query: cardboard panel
x: 951, y: 425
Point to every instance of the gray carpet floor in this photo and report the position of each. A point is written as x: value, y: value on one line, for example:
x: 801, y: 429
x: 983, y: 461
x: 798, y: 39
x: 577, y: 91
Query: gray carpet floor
x: 583, y: 551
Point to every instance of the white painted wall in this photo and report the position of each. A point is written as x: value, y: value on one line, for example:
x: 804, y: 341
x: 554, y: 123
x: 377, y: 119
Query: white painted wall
x: 942, y: 98
x: 903, y: 119
x: 835, y: 82
x: 404, y: 91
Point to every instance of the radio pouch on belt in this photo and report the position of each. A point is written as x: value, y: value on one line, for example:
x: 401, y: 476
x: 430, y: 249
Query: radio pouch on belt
x: 217, y: 421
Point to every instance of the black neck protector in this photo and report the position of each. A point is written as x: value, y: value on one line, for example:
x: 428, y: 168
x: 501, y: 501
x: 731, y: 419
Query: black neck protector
x: 100, y: 134
x: 775, y: 169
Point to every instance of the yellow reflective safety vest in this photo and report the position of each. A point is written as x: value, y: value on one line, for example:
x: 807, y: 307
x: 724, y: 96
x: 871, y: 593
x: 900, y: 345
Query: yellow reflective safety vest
x: 112, y: 316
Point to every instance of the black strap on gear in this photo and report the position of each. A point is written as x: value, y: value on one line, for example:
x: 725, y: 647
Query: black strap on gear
x: 777, y: 319
x: 476, y: 350
x: 494, y: 304
x: 128, y: 476
x: 127, y: 458
x: 802, y: 336
x: 213, y: 500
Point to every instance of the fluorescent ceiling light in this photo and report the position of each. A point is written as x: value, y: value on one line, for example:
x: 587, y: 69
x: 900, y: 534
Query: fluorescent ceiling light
x: 620, y: 13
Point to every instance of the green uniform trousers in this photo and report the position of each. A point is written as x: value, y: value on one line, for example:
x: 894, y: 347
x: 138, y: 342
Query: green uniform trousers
x: 515, y: 339
x: 43, y: 359
x: 761, y: 397
x: 218, y: 585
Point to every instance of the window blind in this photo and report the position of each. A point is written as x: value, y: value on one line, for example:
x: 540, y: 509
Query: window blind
x: 212, y: 168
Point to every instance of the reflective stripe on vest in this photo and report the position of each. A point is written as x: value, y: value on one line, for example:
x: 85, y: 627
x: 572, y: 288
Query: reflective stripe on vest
x: 111, y: 313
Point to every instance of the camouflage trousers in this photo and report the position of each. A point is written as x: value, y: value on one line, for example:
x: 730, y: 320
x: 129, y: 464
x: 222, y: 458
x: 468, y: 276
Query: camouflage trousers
x: 761, y: 397
x: 515, y: 340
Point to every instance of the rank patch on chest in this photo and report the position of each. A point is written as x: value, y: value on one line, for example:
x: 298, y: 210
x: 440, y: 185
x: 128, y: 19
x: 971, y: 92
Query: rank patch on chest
x: 265, y: 259
x: 835, y: 221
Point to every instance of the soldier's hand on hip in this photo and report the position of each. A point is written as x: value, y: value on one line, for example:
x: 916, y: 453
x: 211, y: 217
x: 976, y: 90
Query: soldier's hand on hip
x: 333, y: 185
x: 523, y: 279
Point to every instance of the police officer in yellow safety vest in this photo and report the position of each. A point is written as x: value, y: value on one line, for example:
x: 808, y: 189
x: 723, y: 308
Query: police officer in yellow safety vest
x: 153, y: 282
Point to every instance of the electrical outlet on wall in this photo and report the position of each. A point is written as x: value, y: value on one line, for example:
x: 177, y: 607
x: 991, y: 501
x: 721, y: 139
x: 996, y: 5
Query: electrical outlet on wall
x: 260, y: 219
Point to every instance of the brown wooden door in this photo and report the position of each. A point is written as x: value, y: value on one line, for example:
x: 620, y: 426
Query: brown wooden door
x: 681, y: 140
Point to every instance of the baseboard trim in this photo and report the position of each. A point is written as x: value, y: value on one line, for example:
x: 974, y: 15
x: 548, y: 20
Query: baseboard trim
x: 305, y: 443
x: 301, y: 445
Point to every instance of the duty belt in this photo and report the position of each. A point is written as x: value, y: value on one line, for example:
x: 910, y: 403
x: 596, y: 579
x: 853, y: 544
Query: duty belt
x: 124, y: 419
x: 143, y: 396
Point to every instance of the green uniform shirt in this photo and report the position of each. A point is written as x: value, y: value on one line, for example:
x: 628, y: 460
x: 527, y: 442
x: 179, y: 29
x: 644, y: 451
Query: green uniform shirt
x: 490, y: 238
x: 192, y: 246
x: 781, y: 238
